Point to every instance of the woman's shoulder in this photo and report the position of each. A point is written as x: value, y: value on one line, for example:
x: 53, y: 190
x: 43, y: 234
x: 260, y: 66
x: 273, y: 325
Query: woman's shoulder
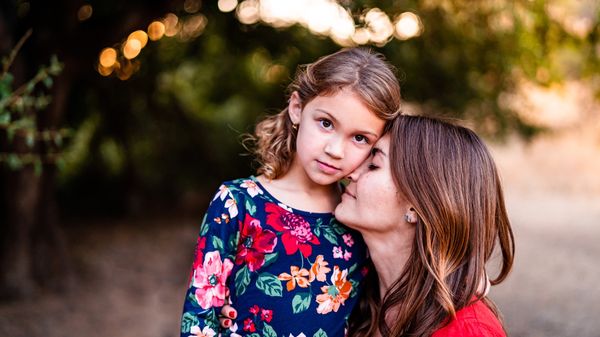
x: 477, y: 319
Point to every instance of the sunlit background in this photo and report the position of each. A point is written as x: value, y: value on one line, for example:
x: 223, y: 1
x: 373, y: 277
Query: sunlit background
x: 111, y: 152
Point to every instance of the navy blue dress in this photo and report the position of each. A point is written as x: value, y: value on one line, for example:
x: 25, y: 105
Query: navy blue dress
x: 287, y: 272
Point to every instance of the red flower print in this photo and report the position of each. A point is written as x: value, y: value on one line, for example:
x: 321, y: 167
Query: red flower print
x: 198, y: 252
x: 254, y: 309
x: 266, y: 315
x: 249, y: 325
x: 297, y: 234
x: 255, y: 242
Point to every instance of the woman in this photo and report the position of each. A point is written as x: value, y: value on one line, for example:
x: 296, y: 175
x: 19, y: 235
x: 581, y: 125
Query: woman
x: 430, y: 207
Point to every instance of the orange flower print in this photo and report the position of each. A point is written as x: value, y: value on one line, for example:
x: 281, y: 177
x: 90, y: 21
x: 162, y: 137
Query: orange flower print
x: 319, y: 269
x: 298, y: 276
x: 336, y: 294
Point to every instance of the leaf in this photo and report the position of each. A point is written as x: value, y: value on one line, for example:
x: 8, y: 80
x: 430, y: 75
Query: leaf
x: 37, y: 167
x: 330, y: 235
x: 58, y: 140
x: 269, y: 284
x: 4, y: 118
x: 301, y: 302
x: 320, y: 333
x: 217, y: 243
x: 188, y: 320
x: 14, y: 162
x: 30, y: 140
x: 204, y: 227
x: 250, y: 207
x: 233, y: 241
x: 352, y: 269
x: 270, y: 258
x: 242, y: 280
x: 48, y: 82
x: 268, y: 331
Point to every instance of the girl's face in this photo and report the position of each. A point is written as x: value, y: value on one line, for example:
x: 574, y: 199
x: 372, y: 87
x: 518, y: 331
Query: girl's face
x: 335, y: 135
x: 372, y: 202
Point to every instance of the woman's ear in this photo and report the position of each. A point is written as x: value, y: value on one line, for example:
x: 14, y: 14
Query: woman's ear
x: 411, y: 216
x: 295, y: 108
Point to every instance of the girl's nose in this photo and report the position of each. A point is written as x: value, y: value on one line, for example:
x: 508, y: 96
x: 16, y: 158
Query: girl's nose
x: 335, y: 147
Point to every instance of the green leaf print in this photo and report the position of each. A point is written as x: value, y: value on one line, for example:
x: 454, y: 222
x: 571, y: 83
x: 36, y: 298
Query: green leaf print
x: 301, y: 302
x: 250, y: 207
x: 339, y: 229
x: 269, y: 284
x: 242, y: 280
x: 270, y: 258
x: 320, y: 333
x: 317, y: 231
x: 233, y: 241
x: 193, y: 300
x: 268, y: 331
x: 204, y: 227
x: 352, y: 269
x: 188, y: 321
x: 217, y: 243
x: 254, y: 335
x: 211, y: 320
x: 330, y: 235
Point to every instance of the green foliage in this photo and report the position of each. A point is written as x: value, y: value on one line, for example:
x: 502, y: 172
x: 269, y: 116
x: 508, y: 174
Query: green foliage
x: 18, y: 109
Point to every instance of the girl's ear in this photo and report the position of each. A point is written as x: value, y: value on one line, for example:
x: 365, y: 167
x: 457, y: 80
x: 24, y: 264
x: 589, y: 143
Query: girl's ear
x: 295, y: 108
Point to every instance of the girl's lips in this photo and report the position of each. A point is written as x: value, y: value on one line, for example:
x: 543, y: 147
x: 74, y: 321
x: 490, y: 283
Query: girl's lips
x: 327, y: 168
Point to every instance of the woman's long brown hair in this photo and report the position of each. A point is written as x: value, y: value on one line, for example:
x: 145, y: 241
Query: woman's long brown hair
x: 446, y: 172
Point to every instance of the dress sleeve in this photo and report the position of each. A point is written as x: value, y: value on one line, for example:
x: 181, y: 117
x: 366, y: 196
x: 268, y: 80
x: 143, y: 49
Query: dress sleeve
x: 213, y: 261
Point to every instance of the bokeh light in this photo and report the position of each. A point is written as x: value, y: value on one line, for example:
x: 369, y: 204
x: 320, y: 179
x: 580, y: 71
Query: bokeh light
x: 132, y: 48
x: 171, y: 22
x: 156, y: 30
x: 408, y: 25
x: 139, y: 35
x: 248, y: 12
x: 84, y: 12
x: 227, y: 5
x: 192, y: 6
x: 108, y: 57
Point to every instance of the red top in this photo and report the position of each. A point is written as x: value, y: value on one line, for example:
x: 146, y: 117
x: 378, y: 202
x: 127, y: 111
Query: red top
x: 475, y: 320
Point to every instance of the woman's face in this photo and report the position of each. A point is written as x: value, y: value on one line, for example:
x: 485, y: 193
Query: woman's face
x: 372, y: 202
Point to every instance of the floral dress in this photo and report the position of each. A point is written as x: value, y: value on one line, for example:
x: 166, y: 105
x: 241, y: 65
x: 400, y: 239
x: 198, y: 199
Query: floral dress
x: 287, y: 272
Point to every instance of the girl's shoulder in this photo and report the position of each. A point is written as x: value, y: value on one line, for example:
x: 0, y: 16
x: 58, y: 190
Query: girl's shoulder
x: 476, y: 319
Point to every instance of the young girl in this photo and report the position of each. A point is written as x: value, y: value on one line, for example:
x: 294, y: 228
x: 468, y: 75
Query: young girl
x: 271, y: 242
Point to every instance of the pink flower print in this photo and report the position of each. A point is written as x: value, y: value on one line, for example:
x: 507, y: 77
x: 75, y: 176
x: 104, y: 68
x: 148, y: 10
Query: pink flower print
x: 249, y: 325
x: 347, y: 255
x: 266, y: 315
x: 233, y: 330
x: 254, y: 309
x: 348, y: 239
x: 206, y: 332
x: 209, y: 280
x: 338, y: 253
x: 251, y: 188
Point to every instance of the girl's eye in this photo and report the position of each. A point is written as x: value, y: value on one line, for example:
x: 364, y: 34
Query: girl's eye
x: 372, y: 167
x: 361, y: 139
x: 326, y: 123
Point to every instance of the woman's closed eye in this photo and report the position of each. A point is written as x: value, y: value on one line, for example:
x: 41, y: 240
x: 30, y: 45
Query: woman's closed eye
x: 372, y: 167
